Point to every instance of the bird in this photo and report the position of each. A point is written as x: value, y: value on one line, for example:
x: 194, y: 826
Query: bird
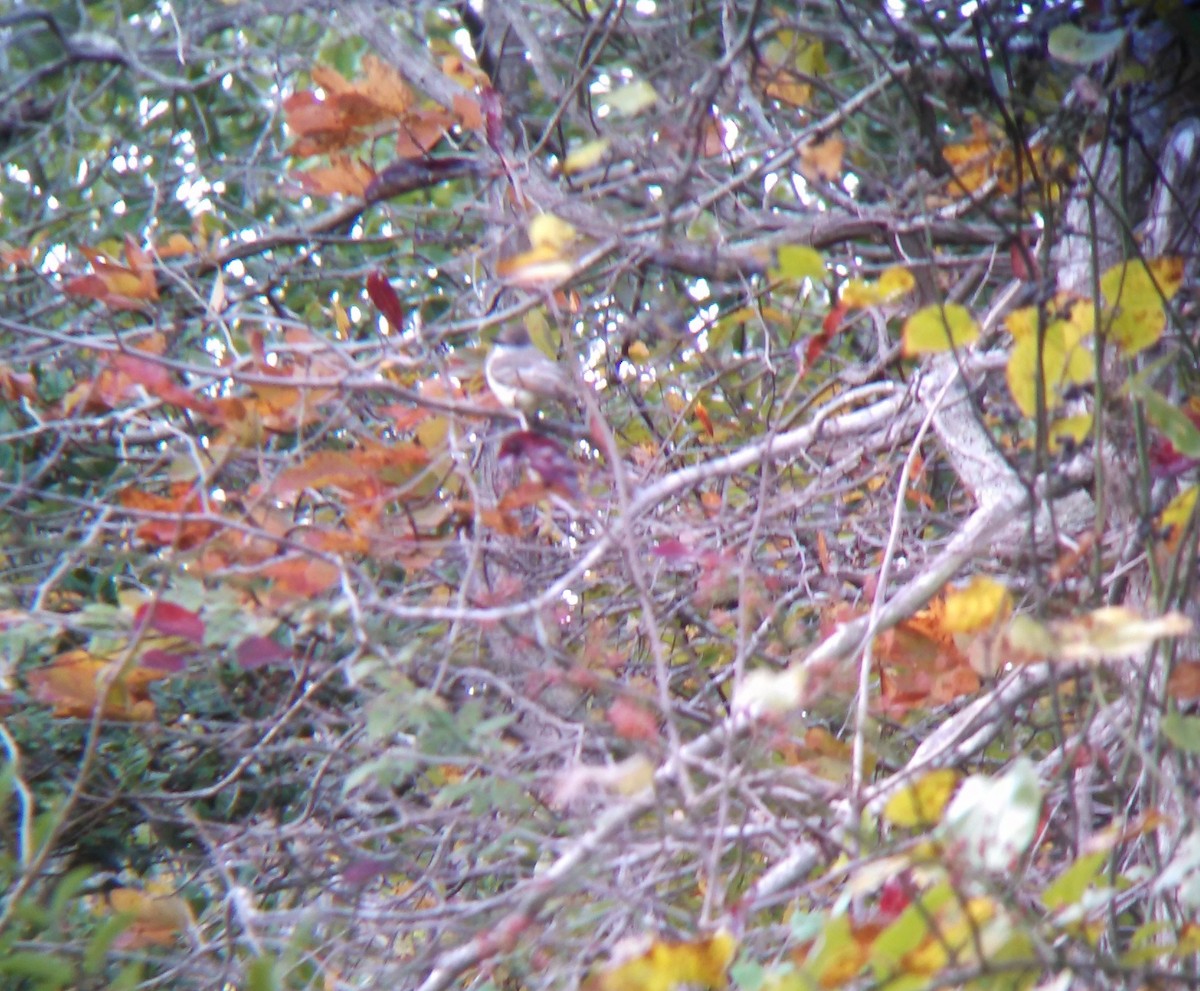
x: 520, y: 375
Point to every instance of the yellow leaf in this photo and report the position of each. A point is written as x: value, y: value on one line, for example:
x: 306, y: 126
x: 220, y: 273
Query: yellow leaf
x: 535, y: 268
x: 666, y: 966
x: 541, y: 334
x: 921, y: 802
x: 1070, y: 430
x: 341, y: 319
x: 1136, y: 293
x: 896, y: 282
x: 1022, y: 323
x: 1139, y: 283
x: 585, y: 156
x: 1065, y: 361
x: 981, y: 604
x: 1175, y: 517
x: 934, y: 329
x: 632, y: 99
x: 637, y: 352
x: 858, y: 293
x: 548, y: 231
x: 1136, y: 328
x: 798, y: 261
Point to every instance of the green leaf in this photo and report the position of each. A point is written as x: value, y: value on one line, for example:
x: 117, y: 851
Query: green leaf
x: 261, y: 976
x: 1182, y: 731
x: 67, y: 889
x: 52, y: 972
x: 748, y: 975
x: 907, y: 931
x: 1167, y: 418
x: 1073, y: 45
x: 130, y: 977
x: 1068, y: 888
x: 96, y: 952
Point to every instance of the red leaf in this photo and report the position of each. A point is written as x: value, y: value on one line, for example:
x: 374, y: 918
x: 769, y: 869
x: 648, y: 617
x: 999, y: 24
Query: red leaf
x: 831, y: 325
x: 384, y: 297
x: 833, y: 320
x: 173, y: 620
x: 894, y: 897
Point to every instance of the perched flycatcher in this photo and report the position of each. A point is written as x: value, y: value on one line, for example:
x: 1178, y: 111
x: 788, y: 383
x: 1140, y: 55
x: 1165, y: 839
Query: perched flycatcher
x: 520, y: 375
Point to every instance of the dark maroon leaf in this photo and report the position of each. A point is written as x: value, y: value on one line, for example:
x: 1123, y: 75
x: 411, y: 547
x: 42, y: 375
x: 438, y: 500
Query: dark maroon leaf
x: 546, y: 458
x: 384, y: 297
x: 493, y: 116
x: 261, y: 652
x: 170, y: 619
x: 162, y: 660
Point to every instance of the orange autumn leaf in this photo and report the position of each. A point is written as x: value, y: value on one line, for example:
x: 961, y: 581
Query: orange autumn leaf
x: 156, y: 920
x: 1184, y: 683
x: 823, y: 159
x: 344, y: 176
x: 920, y: 663
x: 120, y: 287
x: 72, y: 684
x: 421, y: 130
x: 294, y: 578
x: 164, y: 520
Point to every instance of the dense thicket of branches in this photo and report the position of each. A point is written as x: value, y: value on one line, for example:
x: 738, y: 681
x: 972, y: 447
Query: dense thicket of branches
x: 404, y: 691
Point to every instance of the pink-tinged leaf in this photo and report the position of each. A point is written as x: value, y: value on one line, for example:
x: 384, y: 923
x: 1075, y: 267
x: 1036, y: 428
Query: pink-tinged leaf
x: 631, y: 721
x: 384, y: 297
x: 261, y: 652
x: 359, y: 872
x: 162, y: 660
x: 672, y: 550
x: 493, y: 116
x: 170, y: 619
